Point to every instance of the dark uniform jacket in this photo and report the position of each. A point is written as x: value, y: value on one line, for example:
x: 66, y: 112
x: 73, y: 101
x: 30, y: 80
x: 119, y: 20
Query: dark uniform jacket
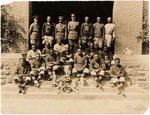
x: 48, y: 29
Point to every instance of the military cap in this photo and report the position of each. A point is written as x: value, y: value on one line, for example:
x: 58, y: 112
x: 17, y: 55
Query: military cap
x: 60, y: 17
x: 72, y: 15
x: 98, y: 18
x: 21, y: 59
x: 35, y: 17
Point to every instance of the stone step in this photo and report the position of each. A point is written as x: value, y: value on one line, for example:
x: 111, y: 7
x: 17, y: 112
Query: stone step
x: 74, y: 96
x: 89, y: 89
x: 134, y: 59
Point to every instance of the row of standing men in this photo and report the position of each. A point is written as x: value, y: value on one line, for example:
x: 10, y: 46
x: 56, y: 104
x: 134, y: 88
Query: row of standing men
x: 102, y: 34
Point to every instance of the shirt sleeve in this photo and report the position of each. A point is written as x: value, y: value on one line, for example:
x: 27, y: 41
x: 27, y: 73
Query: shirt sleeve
x: 112, y: 71
x: 43, y: 29
x: 81, y: 30
x: 31, y: 29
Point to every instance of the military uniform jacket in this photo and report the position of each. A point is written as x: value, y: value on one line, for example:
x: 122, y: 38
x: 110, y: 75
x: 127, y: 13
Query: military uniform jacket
x: 86, y: 30
x: 80, y: 61
x: 23, y: 69
x: 95, y: 64
x: 60, y: 31
x: 115, y: 71
x: 48, y: 29
x: 98, y: 29
x: 39, y: 63
x: 73, y: 27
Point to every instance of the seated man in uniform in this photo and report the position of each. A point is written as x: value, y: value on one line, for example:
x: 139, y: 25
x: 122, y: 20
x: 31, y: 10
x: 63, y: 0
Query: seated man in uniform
x: 107, y: 62
x: 80, y: 64
x: 106, y: 52
x: 118, y: 74
x: 90, y: 51
x: 97, y: 69
x: 22, y: 77
x: 31, y: 54
x: 38, y: 69
x: 96, y: 47
x: 49, y: 57
x: 59, y: 49
x: 80, y: 45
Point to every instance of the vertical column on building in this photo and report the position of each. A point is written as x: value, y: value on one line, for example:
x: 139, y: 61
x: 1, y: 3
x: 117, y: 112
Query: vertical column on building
x: 127, y: 16
x: 20, y: 11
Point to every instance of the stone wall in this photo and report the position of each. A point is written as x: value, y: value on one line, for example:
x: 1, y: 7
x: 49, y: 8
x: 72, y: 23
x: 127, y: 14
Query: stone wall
x: 127, y: 16
x: 137, y: 68
x: 9, y: 62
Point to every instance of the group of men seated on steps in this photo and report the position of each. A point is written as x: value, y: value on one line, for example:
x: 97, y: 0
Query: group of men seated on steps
x: 73, y: 57
x: 58, y: 63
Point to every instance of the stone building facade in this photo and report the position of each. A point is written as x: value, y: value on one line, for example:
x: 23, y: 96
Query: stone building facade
x: 127, y: 17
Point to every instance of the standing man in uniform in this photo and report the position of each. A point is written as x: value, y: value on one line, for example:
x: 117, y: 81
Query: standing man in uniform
x: 48, y: 31
x: 109, y: 33
x: 73, y: 29
x: 61, y: 30
x: 98, y: 29
x: 34, y: 32
x: 86, y: 31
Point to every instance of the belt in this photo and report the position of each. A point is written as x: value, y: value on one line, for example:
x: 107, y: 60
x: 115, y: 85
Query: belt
x: 108, y: 34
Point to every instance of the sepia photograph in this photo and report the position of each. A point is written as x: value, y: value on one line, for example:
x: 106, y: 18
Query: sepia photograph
x: 75, y: 57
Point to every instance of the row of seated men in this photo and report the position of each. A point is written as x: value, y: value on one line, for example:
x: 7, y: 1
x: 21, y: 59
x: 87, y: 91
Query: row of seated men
x: 76, y: 63
x: 71, y: 32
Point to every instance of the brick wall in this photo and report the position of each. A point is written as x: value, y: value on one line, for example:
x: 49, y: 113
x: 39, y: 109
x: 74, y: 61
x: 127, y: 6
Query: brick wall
x: 127, y: 16
x: 8, y: 66
x: 137, y: 67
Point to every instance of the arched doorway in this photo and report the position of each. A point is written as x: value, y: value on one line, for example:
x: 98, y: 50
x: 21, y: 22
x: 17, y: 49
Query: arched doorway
x: 92, y: 9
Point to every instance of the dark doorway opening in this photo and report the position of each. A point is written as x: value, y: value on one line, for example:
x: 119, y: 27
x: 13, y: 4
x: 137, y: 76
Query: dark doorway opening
x: 92, y: 9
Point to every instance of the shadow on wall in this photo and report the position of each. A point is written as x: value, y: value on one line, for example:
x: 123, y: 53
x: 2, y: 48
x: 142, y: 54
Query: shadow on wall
x: 12, y: 32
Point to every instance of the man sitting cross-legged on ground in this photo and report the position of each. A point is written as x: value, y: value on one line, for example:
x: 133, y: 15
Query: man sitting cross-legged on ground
x: 80, y: 63
x: 118, y: 74
x: 22, y: 77
x: 38, y: 69
x: 97, y: 69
